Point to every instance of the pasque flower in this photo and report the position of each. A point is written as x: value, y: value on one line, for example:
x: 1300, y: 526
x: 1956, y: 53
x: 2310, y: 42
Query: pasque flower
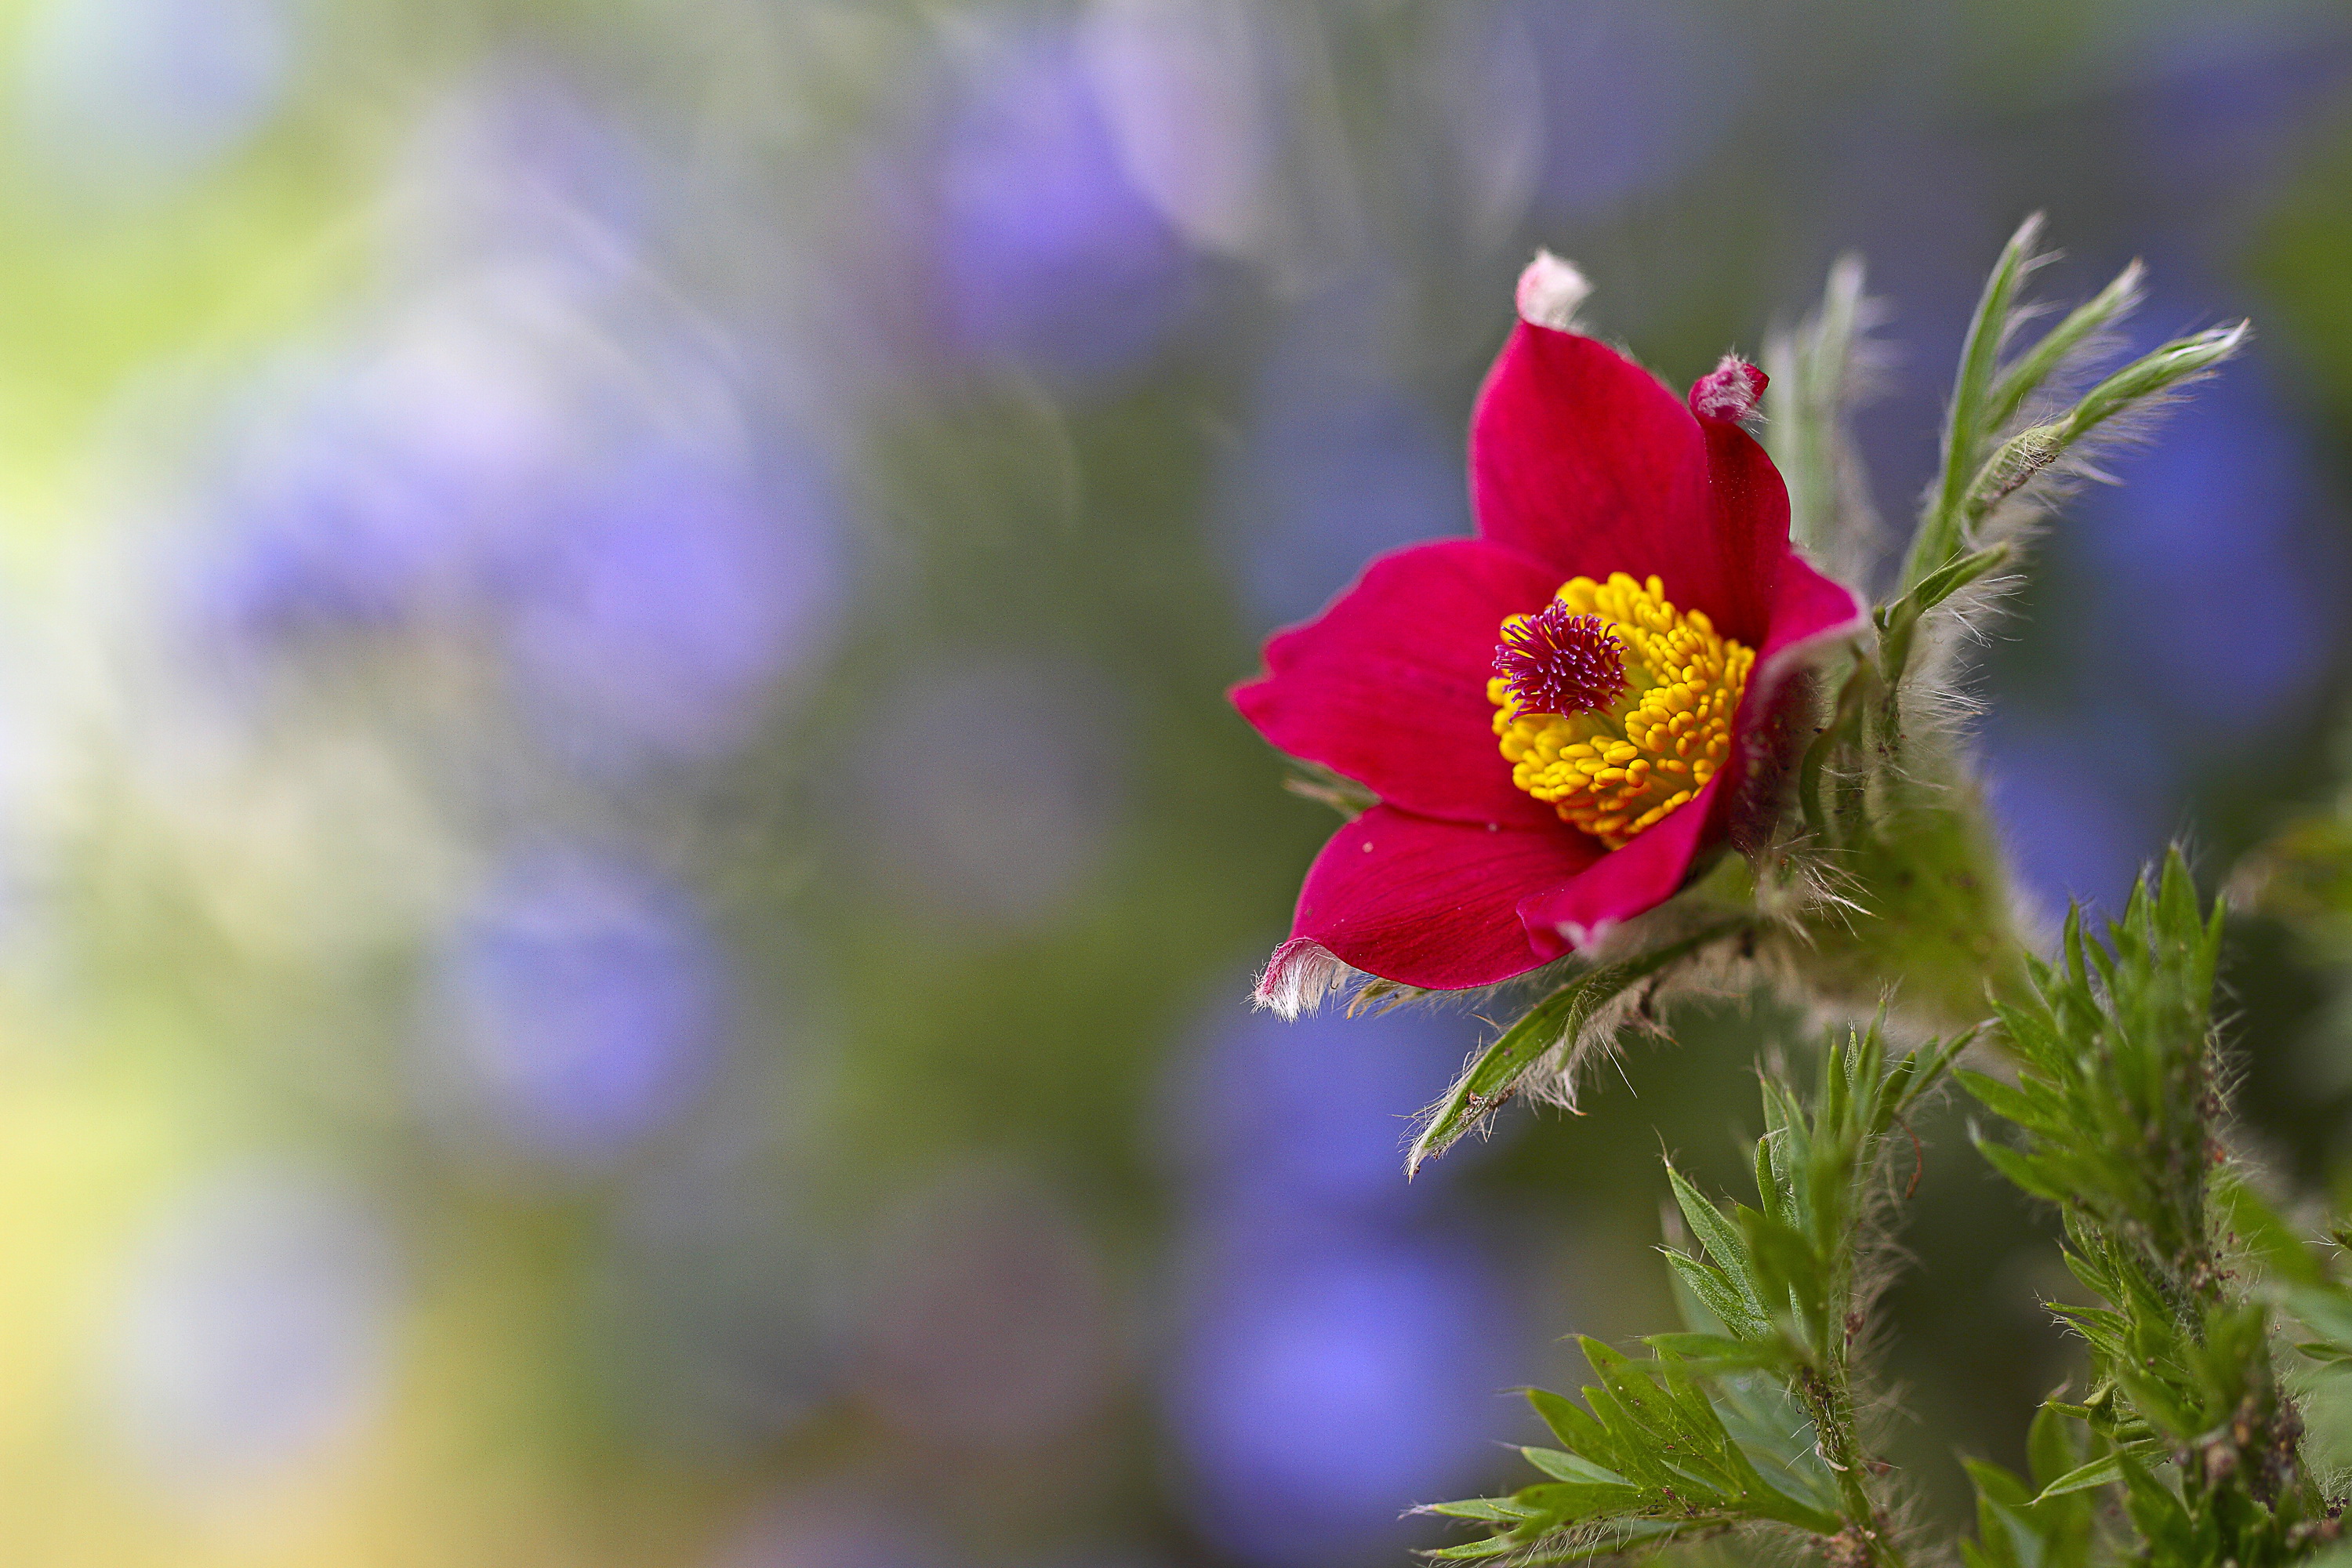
x: 1555, y: 715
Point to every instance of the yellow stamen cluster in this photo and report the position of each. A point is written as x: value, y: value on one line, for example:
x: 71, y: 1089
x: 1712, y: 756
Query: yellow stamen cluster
x: 1615, y: 771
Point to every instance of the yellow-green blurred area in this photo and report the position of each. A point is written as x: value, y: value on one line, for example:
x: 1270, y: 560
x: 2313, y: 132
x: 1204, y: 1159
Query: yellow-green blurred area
x: 626, y: 886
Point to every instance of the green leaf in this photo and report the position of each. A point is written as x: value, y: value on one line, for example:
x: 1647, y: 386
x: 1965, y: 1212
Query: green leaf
x: 2001, y: 1099
x: 2325, y: 1310
x: 1473, y: 1550
x: 1558, y: 1023
x: 2026, y: 375
x: 1955, y: 574
x: 1569, y: 1466
x: 2022, y: 1170
x: 2269, y: 1237
x: 2049, y: 1448
x: 1807, y: 406
x: 2099, y: 1472
x: 1574, y: 1503
x: 1713, y: 1230
x: 1500, y: 1510
x: 1719, y: 1353
x: 1965, y: 425
x: 1578, y: 1432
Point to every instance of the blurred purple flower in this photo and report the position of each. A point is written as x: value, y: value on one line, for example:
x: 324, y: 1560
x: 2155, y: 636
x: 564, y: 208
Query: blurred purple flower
x: 1314, y: 1113
x: 1338, y: 464
x: 2084, y: 803
x: 1186, y: 88
x: 2221, y: 102
x: 499, y: 461
x: 2223, y: 529
x: 520, y: 167
x: 1327, y: 1378
x: 577, y: 1007
x: 253, y: 1333
x: 673, y: 591
x: 1046, y: 252
x: 1635, y: 91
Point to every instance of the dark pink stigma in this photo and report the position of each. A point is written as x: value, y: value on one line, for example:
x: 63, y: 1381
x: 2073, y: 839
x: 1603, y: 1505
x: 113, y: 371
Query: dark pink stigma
x: 1560, y: 662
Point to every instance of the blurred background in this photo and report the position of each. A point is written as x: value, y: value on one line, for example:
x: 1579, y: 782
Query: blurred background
x: 625, y: 885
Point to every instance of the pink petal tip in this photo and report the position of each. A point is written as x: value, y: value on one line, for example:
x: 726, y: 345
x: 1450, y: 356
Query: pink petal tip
x: 1299, y: 976
x: 1730, y: 391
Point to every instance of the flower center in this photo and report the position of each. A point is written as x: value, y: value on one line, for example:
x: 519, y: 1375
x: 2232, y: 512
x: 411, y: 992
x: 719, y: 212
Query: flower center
x: 1612, y: 706
x: 1556, y: 661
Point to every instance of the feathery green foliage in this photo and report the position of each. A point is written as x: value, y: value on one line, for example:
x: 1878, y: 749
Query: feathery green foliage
x: 1986, y: 460
x: 2118, y: 1099
x: 2186, y: 1444
x: 1548, y: 1036
x: 1784, y: 1289
x: 1817, y: 375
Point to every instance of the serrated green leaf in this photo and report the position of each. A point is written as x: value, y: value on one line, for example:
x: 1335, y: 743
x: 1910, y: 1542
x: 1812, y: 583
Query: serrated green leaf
x: 1733, y: 1306
x: 1476, y: 1551
x: 1576, y: 1502
x: 2003, y: 1099
x: 1577, y: 1431
x: 1717, y: 1234
x: 1720, y: 1353
x: 2022, y: 1172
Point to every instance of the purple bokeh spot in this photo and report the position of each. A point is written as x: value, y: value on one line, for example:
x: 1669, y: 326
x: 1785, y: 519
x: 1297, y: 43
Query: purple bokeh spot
x: 1345, y: 1334
x: 354, y: 500
x: 2083, y: 807
x: 2215, y: 578
x: 1333, y: 1377
x: 523, y: 166
x: 581, y: 1005
x: 1047, y: 252
x: 2223, y: 105
x: 670, y: 595
x: 1338, y: 466
x: 1635, y: 92
x: 1317, y: 1112
x: 488, y: 465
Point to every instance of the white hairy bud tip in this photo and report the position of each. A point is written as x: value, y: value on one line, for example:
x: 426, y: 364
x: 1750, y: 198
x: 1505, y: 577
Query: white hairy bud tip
x: 1550, y: 289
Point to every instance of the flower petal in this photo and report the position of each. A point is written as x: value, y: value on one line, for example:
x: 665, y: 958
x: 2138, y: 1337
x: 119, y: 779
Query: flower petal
x: 1583, y: 459
x: 1388, y: 685
x: 1435, y: 904
x: 1809, y: 612
x: 1621, y: 884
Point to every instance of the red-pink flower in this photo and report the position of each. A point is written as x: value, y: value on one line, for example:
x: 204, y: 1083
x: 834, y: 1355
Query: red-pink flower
x: 1477, y: 866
